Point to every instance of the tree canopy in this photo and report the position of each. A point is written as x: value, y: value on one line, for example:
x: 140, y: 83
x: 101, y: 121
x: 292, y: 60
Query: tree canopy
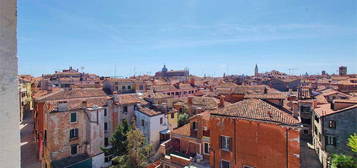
x: 138, y: 152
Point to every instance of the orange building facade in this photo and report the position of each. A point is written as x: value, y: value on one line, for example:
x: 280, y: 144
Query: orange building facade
x: 247, y: 143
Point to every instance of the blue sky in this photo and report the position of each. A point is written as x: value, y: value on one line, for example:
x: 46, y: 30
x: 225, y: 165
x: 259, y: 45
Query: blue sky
x: 208, y: 36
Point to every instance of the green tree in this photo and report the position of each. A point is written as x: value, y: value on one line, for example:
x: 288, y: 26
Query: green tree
x: 343, y: 161
x: 352, y: 142
x: 138, y: 152
x: 183, y: 119
x: 119, y: 140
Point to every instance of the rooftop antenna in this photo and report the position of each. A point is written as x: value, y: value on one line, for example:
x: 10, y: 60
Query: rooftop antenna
x: 291, y: 70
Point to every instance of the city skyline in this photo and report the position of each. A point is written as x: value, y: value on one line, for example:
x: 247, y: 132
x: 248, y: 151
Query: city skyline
x: 205, y: 36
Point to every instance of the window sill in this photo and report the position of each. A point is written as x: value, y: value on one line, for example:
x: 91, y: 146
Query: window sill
x: 73, y: 139
x: 226, y: 150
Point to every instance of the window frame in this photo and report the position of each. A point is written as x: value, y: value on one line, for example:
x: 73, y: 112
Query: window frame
x: 105, y: 126
x: 75, y: 133
x: 221, y: 163
x: 204, y: 148
x: 228, y: 143
x: 332, y: 124
x: 76, y: 149
x: 70, y: 117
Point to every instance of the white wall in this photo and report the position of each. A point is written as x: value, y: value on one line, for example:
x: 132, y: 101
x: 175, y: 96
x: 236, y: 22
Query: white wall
x: 152, y: 127
x: 9, y: 100
x: 98, y: 161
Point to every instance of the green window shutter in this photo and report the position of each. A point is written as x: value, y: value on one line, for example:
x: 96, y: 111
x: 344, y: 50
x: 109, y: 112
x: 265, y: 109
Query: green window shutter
x: 73, y: 117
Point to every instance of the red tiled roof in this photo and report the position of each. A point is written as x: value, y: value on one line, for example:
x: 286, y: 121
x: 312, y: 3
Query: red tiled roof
x: 73, y: 93
x: 148, y: 111
x: 257, y: 110
x: 127, y: 99
x: 266, y: 96
x: 74, y: 104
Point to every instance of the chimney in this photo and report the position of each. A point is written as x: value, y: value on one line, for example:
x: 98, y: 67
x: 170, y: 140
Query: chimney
x: 221, y: 102
x: 192, y: 82
x: 189, y: 100
x: 84, y: 104
x: 265, y: 90
x: 62, y: 106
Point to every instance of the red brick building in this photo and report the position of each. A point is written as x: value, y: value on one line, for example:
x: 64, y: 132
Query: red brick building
x: 254, y: 134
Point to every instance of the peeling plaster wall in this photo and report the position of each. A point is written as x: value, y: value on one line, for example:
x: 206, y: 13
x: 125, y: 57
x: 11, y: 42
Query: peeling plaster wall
x: 9, y: 100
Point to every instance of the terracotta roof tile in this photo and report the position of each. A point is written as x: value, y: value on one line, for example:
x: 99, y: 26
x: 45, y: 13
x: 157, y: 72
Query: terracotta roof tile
x: 127, y: 98
x: 266, y: 96
x: 148, y: 111
x: 73, y: 93
x: 257, y: 110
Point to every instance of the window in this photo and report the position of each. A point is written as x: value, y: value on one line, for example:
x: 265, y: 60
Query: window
x: 330, y: 140
x: 226, y: 143
x: 161, y: 120
x: 123, y: 87
x: 129, y: 87
x: 305, y: 132
x: 225, y: 164
x: 106, y: 141
x: 105, y: 126
x: 105, y: 112
x: 305, y: 109
x: 332, y: 124
x: 305, y: 121
x: 125, y: 109
x: 45, y: 138
x: 172, y: 115
x: 142, y: 123
x: 206, y: 148
x: 73, y: 133
x: 194, y: 125
x: 246, y: 166
x: 74, y: 149
x: 73, y: 117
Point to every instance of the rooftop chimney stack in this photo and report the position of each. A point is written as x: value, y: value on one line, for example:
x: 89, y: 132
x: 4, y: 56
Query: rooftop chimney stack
x: 221, y: 102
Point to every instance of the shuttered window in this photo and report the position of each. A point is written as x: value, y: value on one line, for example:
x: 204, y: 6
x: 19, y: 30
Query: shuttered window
x: 332, y: 124
x: 73, y: 117
x: 73, y: 133
x: 330, y: 140
x: 226, y: 143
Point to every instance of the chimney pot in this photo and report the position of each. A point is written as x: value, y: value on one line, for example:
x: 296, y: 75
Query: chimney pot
x: 221, y: 101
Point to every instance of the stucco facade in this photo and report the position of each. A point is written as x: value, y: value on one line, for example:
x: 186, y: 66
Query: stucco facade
x: 256, y: 144
x: 150, y: 126
x: 9, y: 98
